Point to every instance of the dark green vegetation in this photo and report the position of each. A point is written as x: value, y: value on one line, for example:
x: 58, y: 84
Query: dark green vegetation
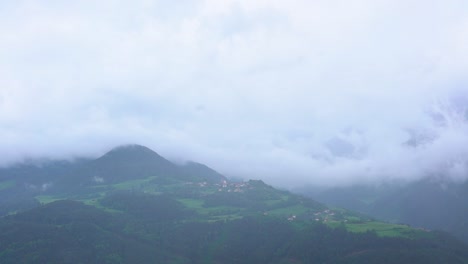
x: 427, y: 204
x: 133, y: 206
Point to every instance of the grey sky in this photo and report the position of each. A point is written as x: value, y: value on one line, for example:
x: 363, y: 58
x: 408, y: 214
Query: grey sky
x: 292, y: 92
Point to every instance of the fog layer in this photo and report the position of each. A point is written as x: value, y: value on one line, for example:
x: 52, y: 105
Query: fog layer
x: 292, y: 92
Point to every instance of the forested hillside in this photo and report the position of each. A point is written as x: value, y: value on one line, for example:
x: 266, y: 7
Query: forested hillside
x: 133, y: 206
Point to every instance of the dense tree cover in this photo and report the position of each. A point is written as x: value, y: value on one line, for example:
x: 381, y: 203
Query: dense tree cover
x: 145, y: 206
x: 71, y: 232
x: 148, y: 210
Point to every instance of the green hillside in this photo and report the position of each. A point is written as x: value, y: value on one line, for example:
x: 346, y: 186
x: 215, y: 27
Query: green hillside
x: 429, y: 204
x: 133, y: 206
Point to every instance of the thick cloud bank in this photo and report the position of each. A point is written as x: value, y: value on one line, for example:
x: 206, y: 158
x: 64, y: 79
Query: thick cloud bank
x: 293, y: 92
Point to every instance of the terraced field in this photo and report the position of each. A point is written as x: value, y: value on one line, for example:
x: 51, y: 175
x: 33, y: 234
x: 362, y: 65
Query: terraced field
x: 229, y: 201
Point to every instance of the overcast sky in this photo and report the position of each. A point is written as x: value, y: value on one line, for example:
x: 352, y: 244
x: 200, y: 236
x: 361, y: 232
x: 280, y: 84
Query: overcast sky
x: 291, y: 92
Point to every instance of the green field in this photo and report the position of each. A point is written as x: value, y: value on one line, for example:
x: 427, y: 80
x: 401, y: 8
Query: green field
x: 287, y: 211
x: 95, y: 203
x: 133, y: 184
x: 215, y: 213
x: 193, y: 196
x: 45, y: 199
x: 380, y: 228
x: 192, y: 203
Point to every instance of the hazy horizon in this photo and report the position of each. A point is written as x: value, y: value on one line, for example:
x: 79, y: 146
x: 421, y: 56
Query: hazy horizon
x: 290, y: 92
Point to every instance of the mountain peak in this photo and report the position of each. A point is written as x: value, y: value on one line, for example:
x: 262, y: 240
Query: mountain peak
x: 130, y: 148
x: 132, y: 152
x: 130, y: 162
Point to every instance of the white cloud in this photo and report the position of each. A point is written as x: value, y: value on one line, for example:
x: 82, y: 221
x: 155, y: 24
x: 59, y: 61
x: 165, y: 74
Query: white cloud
x: 252, y: 88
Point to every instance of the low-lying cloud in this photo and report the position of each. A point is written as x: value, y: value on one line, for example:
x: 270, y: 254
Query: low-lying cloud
x: 292, y: 92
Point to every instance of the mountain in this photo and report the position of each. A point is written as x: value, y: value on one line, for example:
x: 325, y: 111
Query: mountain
x: 426, y: 203
x: 134, y: 161
x: 133, y: 206
x: 22, y: 182
x: 128, y: 162
x: 197, y: 170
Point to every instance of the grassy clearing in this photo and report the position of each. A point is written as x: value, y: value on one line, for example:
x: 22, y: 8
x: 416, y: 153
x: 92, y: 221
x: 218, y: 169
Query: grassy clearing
x: 192, y: 203
x: 272, y: 202
x: 354, y: 219
x: 45, y: 199
x: 225, y: 217
x: 211, y: 214
x: 128, y: 185
x: 6, y: 185
x: 278, y: 201
x: 291, y: 210
x: 216, y: 212
x: 95, y: 203
x: 150, y: 185
x: 382, y: 229
x: 200, y: 208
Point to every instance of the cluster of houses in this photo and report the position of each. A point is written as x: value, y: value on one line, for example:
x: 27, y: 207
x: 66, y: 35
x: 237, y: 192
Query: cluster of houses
x: 231, y: 186
x: 324, y: 216
x: 225, y: 186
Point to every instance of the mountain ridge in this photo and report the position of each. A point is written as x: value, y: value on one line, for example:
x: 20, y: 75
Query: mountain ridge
x: 425, y: 203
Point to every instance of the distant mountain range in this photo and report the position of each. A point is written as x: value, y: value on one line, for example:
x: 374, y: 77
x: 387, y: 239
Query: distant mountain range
x: 431, y: 204
x: 133, y: 206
